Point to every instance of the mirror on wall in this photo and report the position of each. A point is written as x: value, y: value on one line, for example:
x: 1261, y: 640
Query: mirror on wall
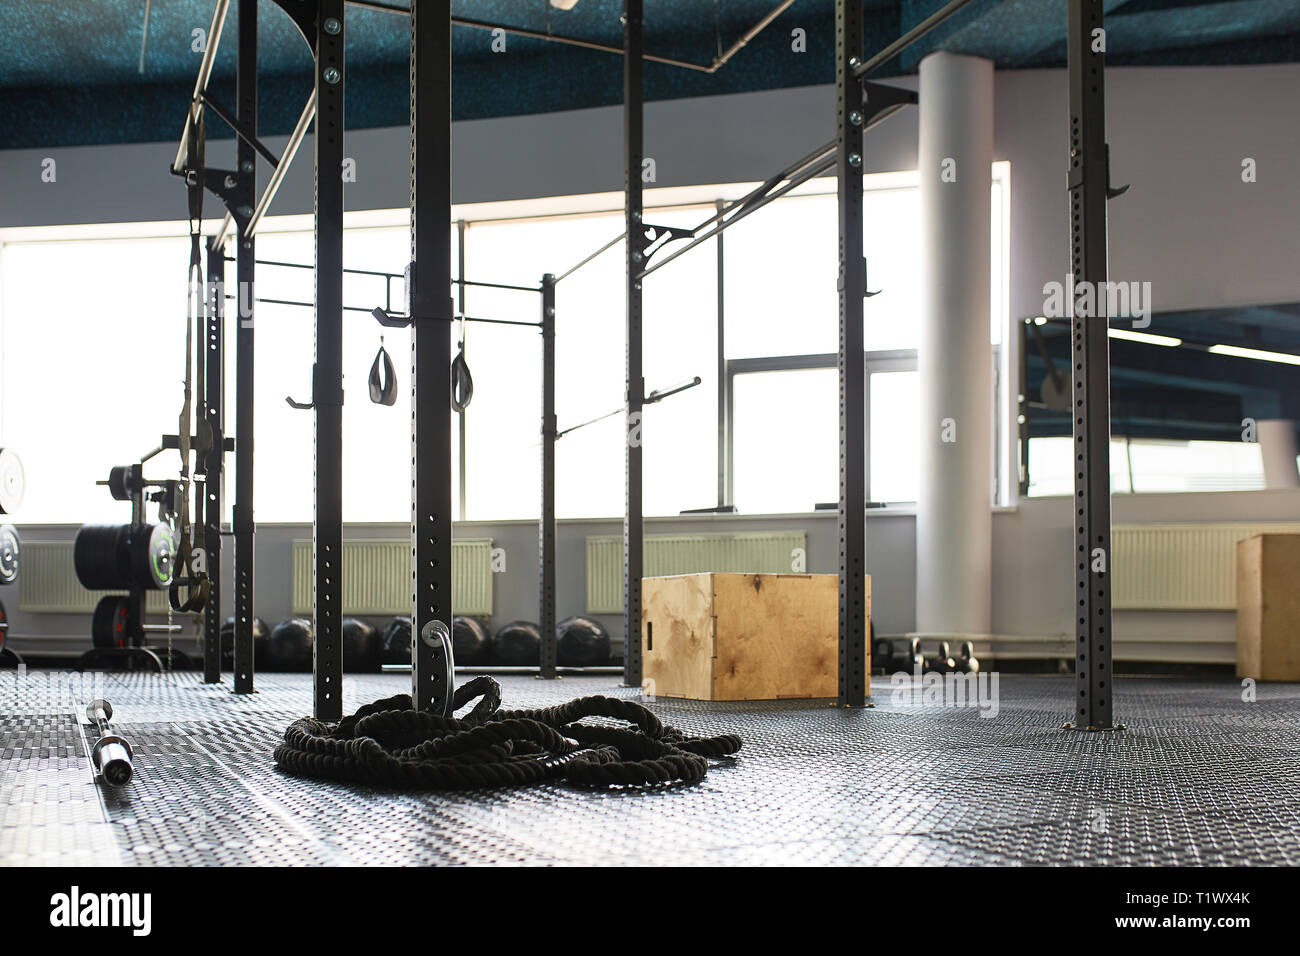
x: 1201, y: 400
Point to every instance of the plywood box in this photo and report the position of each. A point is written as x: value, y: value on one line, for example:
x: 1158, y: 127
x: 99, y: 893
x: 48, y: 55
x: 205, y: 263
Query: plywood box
x: 1268, y: 607
x: 718, y: 636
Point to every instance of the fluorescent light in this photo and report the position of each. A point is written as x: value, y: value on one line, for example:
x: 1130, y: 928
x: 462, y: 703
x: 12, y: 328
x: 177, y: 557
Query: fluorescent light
x: 1147, y: 337
x: 1259, y: 354
x: 564, y: 4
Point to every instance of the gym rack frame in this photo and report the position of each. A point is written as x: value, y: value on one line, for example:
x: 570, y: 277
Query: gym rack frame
x: 431, y: 315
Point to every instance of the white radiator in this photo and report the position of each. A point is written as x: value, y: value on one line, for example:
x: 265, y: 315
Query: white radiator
x: 1183, y: 567
x: 47, y: 583
x: 760, y: 552
x: 377, y: 576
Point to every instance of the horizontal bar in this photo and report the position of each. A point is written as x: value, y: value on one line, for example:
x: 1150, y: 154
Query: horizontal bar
x: 495, y: 285
x: 609, y: 245
x: 659, y: 394
x: 908, y: 38
x: 809, y: 173
x: 753, y: 201
x: 304, y: 265
x: 391, y: 275
x: 201, y: 81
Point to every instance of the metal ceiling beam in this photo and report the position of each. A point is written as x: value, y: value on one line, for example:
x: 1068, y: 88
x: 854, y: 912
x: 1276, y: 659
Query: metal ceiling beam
x: 718, y: 62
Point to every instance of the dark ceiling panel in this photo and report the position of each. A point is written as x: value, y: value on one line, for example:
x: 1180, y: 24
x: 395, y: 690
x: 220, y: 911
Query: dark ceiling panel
x: 70, y: 75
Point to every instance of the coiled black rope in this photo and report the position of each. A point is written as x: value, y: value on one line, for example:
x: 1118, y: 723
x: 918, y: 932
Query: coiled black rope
x: 388, y: 743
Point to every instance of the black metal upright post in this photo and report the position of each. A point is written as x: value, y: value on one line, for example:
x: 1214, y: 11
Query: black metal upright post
x: 633, y: 520
x: 327, y: 377
x: 1089, y: 181
x: 213, y: 414
x: 431, y: 309
x: 245, y: 265
x: 853, y: 288
x: 547, y: 527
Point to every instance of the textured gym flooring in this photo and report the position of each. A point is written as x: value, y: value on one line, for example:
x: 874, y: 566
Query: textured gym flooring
x: 1199, y: 777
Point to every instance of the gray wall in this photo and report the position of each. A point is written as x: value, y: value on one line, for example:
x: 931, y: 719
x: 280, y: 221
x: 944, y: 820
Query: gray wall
x: 1189, y: 225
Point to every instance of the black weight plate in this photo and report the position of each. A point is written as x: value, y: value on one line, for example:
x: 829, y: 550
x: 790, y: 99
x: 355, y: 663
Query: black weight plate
x: 153, y: 555
x: 100, y: 558
x: 13, y: 481
x: 9, y: 554
x: 117, y: 483
x: 110, y: 626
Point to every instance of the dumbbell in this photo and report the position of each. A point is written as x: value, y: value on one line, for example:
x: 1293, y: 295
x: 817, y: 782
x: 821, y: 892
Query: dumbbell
x: 943, y: 662
x: 110, y: 754
x: 968, y: 663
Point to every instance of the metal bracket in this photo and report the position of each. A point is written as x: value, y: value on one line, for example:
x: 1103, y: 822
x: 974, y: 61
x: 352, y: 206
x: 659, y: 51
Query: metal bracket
x: 866, y: 293
x: 316, y: 392
x: 657, y: 237
x: 878, y: 97
x: 239, y: 128
x: 1112, y: 191
x: 303, y: 16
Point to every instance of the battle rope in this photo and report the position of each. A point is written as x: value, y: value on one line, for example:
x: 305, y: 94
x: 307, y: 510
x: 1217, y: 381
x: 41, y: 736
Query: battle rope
x: 390, y: 744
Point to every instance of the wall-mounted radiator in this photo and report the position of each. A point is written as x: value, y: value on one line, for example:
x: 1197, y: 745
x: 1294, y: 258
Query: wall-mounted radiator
x: 377, y: 576
x: 760, y: 552
x: 1181, y: 567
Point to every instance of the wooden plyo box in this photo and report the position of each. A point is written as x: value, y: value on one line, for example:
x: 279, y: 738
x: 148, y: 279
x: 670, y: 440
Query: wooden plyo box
x: 1268, y: 607
x: 717, y: 636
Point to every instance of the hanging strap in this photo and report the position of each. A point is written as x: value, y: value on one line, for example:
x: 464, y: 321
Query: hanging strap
x: 383, y: 378
x: 194, y: 579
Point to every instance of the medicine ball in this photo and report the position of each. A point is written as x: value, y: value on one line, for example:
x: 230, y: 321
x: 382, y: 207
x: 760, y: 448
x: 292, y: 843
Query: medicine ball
x: 518, y: 644
x: 470, y: 641
x: 260, y: 638
x: 360, y: 645
x: 289, y: 647
x: 395, y: 643
x: 581, y: 642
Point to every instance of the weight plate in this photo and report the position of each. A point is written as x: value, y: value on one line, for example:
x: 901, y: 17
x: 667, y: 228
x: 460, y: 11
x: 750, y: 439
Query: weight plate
x: 101, y: 558
x: 117, y: 483
x: 153, y: 555
x: 110, y: 626
x: 13, y: 481
x: 9, y: 554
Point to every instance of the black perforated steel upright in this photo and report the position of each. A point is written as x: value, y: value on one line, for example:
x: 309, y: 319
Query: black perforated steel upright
x: 633, y: 517
x: 327, y: 378
x: 212, y: 414
x: 546, y: 531
x: 245, y: 266
x: 852, y: 288
x: 431, y: 310
x: 1088, y: 185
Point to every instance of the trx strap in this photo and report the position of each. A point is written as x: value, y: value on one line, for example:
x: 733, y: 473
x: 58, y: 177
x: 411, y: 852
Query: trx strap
x: 189, y: 544
x: 387, y: 743
x: 383, y: 378
x: 462, y: 383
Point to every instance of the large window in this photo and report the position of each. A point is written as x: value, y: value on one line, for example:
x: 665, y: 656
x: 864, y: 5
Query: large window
x: 101, y: 389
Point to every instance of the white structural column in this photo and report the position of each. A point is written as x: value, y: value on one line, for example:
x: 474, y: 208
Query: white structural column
x: 1277, y: 446
x: 954, y: 521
